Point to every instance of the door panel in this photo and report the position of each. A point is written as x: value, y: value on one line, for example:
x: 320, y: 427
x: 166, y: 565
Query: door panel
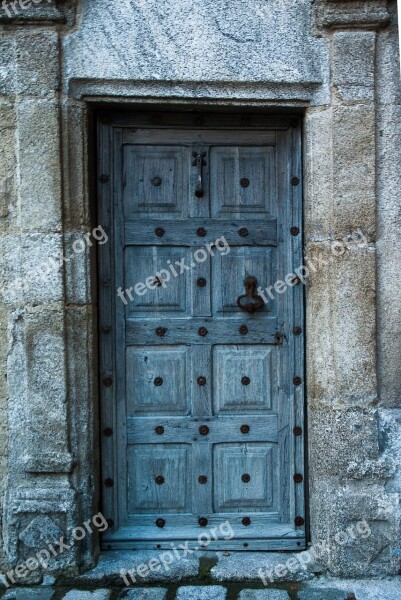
x: 201, y: 418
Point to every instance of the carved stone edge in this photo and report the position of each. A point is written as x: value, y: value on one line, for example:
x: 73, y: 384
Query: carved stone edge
x: 58, y: 12
x: 349, y: 14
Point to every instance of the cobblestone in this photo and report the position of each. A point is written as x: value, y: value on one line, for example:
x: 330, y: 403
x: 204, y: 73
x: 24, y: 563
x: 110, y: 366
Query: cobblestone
x: 209, y: 592
x: 145, y: 594
x: 263, y: 595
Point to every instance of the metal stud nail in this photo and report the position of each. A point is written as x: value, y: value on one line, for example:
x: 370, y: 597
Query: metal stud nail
x: 156, y: 181
x: 245, y: 380
x: 108, y: 382
x: 243, y: 329
x: 159, y: 430
x: 160, y: 331
x: 201, y: 232
x: 244, y: 428
x: 158, y: 381
x: 294, y: 230
x: 159, y: 231
x: 160, y: 523
x: 297, y: 330
x: 203, y: 429
x: 297, y: 431
x: 201, y: 380
x: 246, y: 521
x: 203, y: 522
x: 244, y: 182
x: 246, y: 478
x: 297, y: 380
x: 201, y: 281
x: 294, y: 181
x: 108, y: 482
x: 299, y: 521
x: 106, y: 329
x: 298, y: 478
x: 202, y: 331
x: 295, y: 281
x: 243, y: 232
x: 202, y: 479
x: 107, y: 431
x: 159, y: 480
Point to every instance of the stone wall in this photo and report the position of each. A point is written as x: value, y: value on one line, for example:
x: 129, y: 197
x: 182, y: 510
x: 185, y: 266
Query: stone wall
x: 334, y: 60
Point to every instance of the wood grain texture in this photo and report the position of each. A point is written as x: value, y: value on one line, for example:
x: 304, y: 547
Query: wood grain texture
x: 190, y: 369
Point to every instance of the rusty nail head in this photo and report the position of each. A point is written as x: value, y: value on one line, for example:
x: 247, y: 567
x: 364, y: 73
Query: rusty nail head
x: 106, y: 329
x: 245, y: 380
x: 244, y: 182
x: 202, y: 331
x: 156, y: 181
x: 106, y: 282
x: 243, y: 330
x: 159, y: 430
x: 294, y: 230
x: 299, y: 521
x: 246, y: 521
x: 244, y: 428
x: 160, y: 523
x: 159, y: 231
x: 298, y: 478
x: 297, y: 380
x: 202, y: 479
x: 294, y: 181
x: 297, y: 431
x: 295, y: 281
x: 158, y: 381
x: 203, y: 429
x: 159, y: 480
x: 160, y: 331
x: 201, y: 380
x: 201, y: 232
x: 246, y: 478
x: 107, y: 431
x: 108, y: 482
x: 108, y: 382
x: 243, y: 232
x: 201, y: 282
x: 297, y: 330
x: 203, y: 522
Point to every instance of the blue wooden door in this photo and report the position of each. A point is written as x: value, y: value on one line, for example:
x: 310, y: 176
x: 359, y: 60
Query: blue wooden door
x: 201, y: 373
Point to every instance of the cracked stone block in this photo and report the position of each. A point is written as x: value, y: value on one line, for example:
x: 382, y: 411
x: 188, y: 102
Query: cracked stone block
x: 263, y: 595
x: 31, y: 593
x: 209, y: 592
x: 96, y: 595
x: 146, y: 594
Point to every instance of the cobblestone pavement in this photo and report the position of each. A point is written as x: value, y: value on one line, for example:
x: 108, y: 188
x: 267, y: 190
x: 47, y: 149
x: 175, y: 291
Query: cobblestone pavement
x: 352, y: 590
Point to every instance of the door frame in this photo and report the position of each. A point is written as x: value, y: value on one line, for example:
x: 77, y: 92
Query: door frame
x: 105, y: 121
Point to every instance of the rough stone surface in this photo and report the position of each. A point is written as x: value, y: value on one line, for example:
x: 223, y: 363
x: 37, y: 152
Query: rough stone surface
x: 146, y: 594
x: 263, y: 595
x: 211, y: 592
x: 29, y: 594
x: 111, y: 565
x: 266, y: 566
x: 83, y: 595
x: 323, y: 594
